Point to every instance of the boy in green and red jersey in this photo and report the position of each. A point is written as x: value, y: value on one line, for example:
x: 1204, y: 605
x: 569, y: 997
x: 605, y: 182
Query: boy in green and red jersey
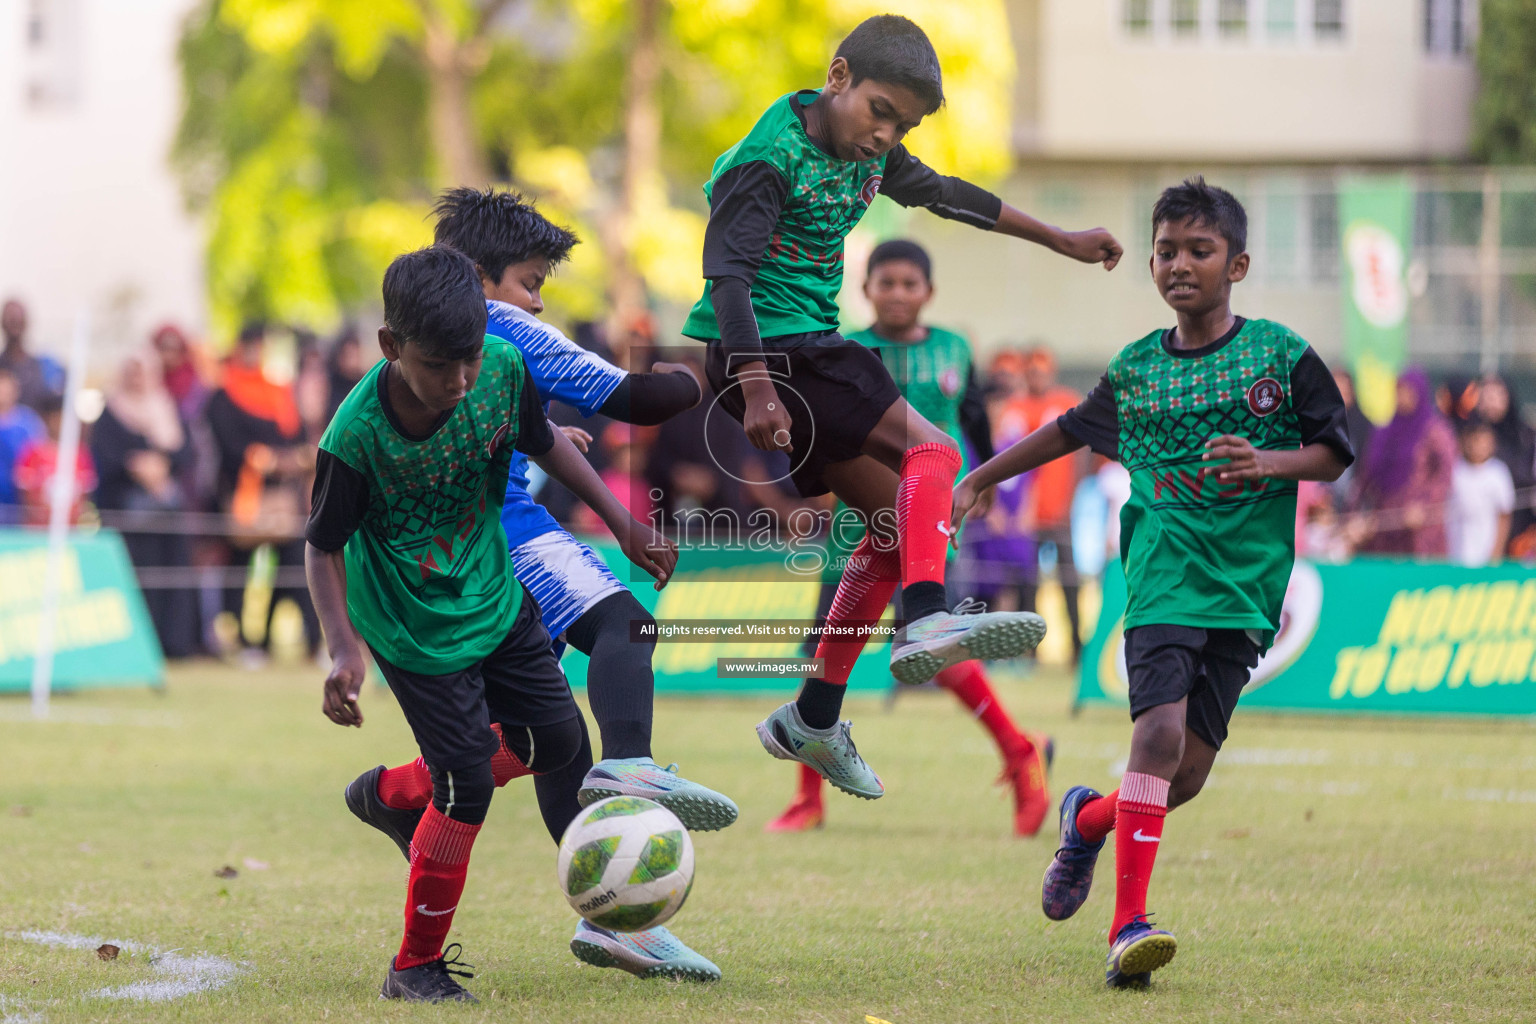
x: 1216, y: 420
x: 406, y: 554
x: 932, y: 368
x: 782, y: 201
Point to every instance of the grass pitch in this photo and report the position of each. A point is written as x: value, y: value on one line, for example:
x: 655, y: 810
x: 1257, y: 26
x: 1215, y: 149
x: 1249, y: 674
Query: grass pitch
x: 1334, y: 870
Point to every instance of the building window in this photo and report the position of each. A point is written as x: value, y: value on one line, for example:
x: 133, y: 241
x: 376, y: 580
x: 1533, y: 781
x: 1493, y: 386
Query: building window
x: 1324, y: 215
x: 1282, y: 242
x: 1138, y: 17
x: 1448, y: 28
x: 1186, y: 17
x: 1280, y: 19
x: 1232, y: 18
x: 1328, y: 19
x: 53, y: 58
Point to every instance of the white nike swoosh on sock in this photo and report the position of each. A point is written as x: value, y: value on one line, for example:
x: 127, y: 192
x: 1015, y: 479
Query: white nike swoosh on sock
x: 1145, y: 839
x: 421, y: 908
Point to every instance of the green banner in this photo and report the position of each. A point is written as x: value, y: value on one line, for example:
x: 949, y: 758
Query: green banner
x: 734, y: 589
x: 1375, y: 635
x: 102, y: 636
x: 1376, y: 222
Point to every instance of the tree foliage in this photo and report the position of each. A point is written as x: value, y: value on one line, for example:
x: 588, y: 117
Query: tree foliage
x: 309, y: 133
x: 1504, y: 115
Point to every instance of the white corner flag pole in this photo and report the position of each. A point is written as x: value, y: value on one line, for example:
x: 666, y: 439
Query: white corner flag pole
x: 60, y: 500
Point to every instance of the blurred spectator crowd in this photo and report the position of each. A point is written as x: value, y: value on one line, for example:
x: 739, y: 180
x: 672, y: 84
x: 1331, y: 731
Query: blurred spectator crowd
x: 205, y: 465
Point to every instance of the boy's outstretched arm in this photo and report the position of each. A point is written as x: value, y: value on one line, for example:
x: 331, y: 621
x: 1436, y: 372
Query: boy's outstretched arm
x: 1094, y: 423
x: 1047, y: 444
x: 646, y: 399
x: 1094, y: 245
x: 641, y: 543
x: 327, y: 575
x: 910, y: 182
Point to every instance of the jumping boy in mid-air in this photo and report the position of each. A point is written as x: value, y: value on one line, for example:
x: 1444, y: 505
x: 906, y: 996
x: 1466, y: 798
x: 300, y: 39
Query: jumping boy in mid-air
x: 932, y: 369
x: 1215, y: 419
x: 782, y: 201
x: 581, y: 601
x: 405, y: 552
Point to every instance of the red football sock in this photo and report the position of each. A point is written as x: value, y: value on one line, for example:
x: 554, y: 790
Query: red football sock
x: 869, y: 580
x: 969, y: 683
x: 1142, y: 809
x: 410, y: 785
x: 810, y: 785
x: 439, y: 862
x: 1096, y: 818
x: 923, y: 503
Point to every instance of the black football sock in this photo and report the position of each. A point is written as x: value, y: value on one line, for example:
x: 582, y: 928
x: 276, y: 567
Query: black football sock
x: 923, y: 598
x: 620, y: 683
x: 556, y: 790
x: 819, y: 703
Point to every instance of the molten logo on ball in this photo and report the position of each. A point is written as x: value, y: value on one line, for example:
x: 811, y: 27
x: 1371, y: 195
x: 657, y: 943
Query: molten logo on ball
x: 626, y: 864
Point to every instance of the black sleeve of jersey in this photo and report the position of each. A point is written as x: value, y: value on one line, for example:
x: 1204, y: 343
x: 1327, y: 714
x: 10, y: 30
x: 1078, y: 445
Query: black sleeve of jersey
x: 535, y: 436
x: 337, y: 503
x: 1319, y: 406
x: 973, y: 419
x: 646, y: 399
x: 911, y: 182
x: 1096, y: 421
x: 733, y: 314
x: 744, y: 205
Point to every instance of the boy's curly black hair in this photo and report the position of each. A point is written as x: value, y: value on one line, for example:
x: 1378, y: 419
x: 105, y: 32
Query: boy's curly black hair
x: 497, y: 228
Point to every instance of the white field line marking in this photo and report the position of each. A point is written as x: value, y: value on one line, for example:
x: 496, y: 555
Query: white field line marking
x: 182, y: 976
x: 62, y: 940
x: 66, y: 715
x: 1491, y: 796
x: 177, y: 974
x: 12, y: 1011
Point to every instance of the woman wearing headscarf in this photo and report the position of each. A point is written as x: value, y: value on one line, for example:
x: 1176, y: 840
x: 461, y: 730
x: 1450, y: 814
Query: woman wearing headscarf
x: 140, y: 445
x: 1405, y: 478
x: 1499, y: 405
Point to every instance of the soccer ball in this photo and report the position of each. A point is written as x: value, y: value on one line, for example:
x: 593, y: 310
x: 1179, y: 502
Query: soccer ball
x: 626, y: 864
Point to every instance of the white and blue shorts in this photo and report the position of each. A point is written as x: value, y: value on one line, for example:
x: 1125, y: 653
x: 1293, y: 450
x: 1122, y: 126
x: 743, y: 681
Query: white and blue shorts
x: 564, y: 576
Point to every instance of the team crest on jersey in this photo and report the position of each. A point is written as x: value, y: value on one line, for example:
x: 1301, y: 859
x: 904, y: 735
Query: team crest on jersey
x: 949, y: 382
x: 1264, y: 396
x: 494, y: 443
x: 871, y: 188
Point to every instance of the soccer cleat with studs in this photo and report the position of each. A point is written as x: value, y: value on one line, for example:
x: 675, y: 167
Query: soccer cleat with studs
x: 430, y: 982
x: 362, y: 797
x: 1070, y: 874
x: 927, y: 646
x: 699, y: 809
x: 1024, y: 774
x: 653, y: 953
x: 829, y: 752
x: 803, y: 814
x: 1138, y: 950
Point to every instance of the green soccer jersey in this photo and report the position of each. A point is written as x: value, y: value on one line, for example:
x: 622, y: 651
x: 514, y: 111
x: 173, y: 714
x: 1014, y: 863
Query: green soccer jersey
x: 781, y: 206
x: 1198, y: 552
x: 430, y: 585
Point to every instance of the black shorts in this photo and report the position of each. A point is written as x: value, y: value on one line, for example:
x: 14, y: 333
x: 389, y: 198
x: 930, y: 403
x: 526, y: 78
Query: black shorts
x: 1209, y: 666
x: 518, y: 684
x: 836, y: 390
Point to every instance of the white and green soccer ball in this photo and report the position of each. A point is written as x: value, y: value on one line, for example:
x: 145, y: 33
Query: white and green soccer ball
x: 626, y: 864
